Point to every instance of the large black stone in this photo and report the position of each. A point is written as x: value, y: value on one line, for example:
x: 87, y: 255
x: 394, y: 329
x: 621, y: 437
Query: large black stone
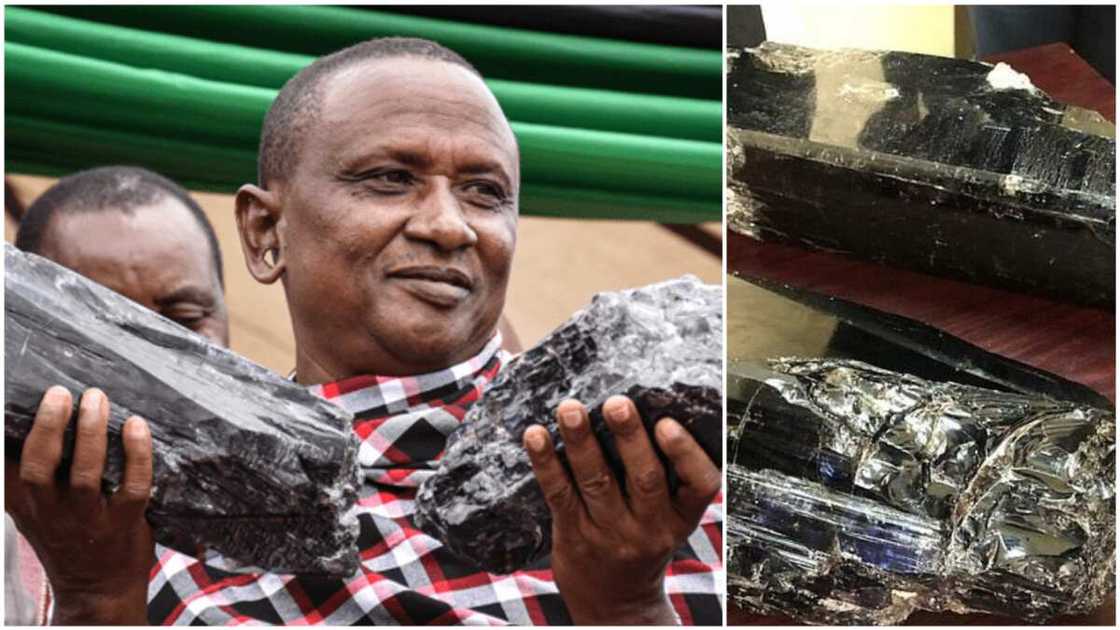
x: 245, y: 462
x: 662, y: 345
x: 940, y: 165
x: 857, y: 495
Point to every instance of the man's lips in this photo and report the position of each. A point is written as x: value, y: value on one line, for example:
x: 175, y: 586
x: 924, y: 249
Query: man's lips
x: 441, y: 286
x: 433, y: 273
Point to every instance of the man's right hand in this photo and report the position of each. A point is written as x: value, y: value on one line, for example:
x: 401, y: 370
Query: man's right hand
x: 97, y: 551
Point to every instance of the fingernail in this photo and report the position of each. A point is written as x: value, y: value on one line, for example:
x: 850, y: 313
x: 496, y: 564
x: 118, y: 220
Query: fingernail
x: 92, y: 399
x: 617, y: 410
x: 56, y: 395
x: 670, y: 430
x: 138, y: 429
x: 571, y: 418
x: 535, y: 441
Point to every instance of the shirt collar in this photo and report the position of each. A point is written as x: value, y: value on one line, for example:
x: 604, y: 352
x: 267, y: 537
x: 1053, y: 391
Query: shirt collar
x: 369, y: 393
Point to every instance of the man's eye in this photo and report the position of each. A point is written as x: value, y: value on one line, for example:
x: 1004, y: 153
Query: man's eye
x: 187, y: 317
x: 190, y: 323
x: 488, y: 193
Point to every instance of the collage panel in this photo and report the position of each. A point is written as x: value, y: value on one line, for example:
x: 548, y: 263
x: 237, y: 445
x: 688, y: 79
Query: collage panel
x: 354, y: 315
x: 772, y: 314
x: 920, y: 305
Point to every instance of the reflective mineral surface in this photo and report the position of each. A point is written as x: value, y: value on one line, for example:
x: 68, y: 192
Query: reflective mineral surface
x: 940, y: 165
x: 661, y: 345
x: 903, y: 469
x: 858, y: 495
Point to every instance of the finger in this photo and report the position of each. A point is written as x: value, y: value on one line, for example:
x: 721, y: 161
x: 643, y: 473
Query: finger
x: 130, y: 500
x: 593, y: 478
x: 699, y: 477
x: 555, y: 484
x: 14, y: 490
x: 89, y: 453
x: 42, y: 450
x: 645, y: 476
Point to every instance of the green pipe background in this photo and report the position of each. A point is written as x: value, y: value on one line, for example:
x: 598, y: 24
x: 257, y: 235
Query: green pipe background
x: 157, y: 102
x: 575, y: 162
x: 674, y: 117
x: 499, y: 52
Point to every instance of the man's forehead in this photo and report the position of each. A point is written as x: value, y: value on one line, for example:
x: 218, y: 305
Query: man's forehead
x: 411, y: 90
x: 164, y: 232
x: 406, y: 70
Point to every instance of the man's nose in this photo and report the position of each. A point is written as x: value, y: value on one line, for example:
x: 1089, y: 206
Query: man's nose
x: 439, y: 220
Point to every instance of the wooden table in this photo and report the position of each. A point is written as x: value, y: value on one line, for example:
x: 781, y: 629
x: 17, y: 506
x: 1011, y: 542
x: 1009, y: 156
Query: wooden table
x: 1072, y: 341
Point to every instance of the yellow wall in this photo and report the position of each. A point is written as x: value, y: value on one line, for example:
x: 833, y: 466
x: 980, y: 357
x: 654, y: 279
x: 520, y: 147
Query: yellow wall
x: 916, y: 28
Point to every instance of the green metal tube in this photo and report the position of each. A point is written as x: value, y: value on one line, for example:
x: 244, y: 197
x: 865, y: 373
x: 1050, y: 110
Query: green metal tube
x: 41, y: 82
x: 603, y: 160
x: 506, y: 53
x: 607, y: 110
x: 28, y: 138
x: 573, y: 203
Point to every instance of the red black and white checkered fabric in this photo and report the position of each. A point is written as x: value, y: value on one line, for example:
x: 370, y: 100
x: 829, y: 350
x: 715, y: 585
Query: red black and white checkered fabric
x: 405, y: 576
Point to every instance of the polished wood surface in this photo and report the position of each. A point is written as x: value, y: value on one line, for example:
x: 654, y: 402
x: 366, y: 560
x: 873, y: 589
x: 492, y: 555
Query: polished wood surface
x: 1073, y: 341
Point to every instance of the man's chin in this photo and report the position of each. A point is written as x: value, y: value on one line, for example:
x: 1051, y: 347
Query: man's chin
x: 435, y: 348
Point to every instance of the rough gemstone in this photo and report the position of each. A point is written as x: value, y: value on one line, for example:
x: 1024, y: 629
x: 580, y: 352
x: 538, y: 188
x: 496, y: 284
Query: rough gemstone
x: 661, y: 345
x: 246, y: 462
x: 940, y: 165
x: 858, y: 495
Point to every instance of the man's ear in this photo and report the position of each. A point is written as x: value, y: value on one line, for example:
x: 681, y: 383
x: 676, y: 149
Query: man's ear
x: 258, y: 220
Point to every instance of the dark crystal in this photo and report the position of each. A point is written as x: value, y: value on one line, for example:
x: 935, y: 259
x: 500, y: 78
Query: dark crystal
x: 940, y: 165
x: 246, y: 462
x: 858, y: 495
x: 661, y: 345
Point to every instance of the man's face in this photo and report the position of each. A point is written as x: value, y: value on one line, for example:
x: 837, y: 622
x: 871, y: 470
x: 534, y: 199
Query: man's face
x: 399, y: 221
x: 157, y: 256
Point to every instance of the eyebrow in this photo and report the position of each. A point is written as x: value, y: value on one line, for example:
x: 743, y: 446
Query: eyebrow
x: 414, y: 159
x: 481, y: 167
x: 192, y: 293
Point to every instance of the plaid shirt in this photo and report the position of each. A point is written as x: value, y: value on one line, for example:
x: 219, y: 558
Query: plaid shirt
x: 406, y: 577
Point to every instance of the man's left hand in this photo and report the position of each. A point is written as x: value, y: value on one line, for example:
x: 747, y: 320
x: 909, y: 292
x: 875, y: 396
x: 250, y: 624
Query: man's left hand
x: 610, y: 551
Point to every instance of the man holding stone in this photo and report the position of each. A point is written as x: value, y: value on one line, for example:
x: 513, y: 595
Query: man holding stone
x: 387, y: 207
x: 142, y: 235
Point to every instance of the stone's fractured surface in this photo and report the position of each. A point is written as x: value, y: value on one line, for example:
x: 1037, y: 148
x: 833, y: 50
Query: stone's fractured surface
x: 245, y: 462
x: 858, y: 495
x: 941, y: 165
x: 661, y: 345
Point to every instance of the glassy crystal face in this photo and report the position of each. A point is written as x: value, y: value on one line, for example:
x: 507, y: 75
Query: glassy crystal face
x: 941, y: 165
x: 859, y: 495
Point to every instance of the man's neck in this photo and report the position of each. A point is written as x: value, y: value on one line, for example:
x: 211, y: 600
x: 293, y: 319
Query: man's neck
x: 314, y: 368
